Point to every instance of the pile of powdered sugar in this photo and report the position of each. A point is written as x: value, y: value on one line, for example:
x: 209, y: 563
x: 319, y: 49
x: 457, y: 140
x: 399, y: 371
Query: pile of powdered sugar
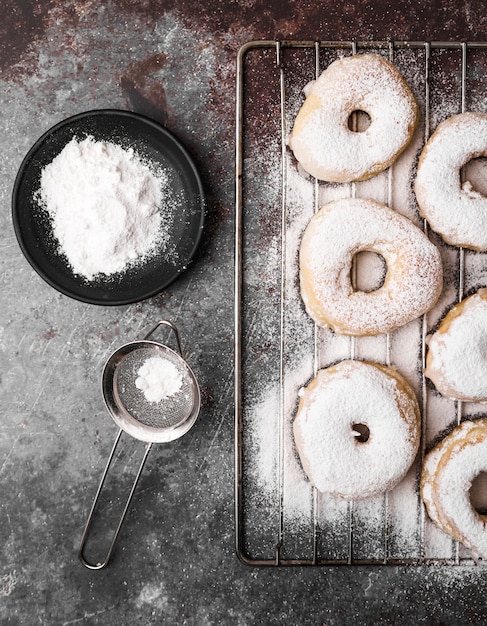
x: 158, y: 378
x: 105, y: 205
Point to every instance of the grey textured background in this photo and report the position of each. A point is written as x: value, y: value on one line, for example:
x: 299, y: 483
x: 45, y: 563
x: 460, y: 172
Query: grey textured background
x: 175, y: 563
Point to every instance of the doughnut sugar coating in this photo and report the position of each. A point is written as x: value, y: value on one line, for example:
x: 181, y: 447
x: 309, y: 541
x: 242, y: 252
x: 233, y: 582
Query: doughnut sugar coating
x: 322, y: 140
x: 454, y: 209
x: 357, y: 429
x: 456, y: 361
x: 334, y: 235
x: 446, y: 478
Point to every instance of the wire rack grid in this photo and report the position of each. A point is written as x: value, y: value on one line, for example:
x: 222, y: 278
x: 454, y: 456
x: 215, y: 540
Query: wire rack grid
x: 280, y: 519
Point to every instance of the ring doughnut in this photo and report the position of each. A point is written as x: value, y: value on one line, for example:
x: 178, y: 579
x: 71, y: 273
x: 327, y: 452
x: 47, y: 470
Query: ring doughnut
x: 454, y: 210
x: 446, y: 478
x: 340, y: 230
x: 357, y: 429
x: 321, y: 138
x: 457, y: 352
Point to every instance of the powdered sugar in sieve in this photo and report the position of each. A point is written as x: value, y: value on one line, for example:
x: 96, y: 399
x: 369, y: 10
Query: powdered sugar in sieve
x: 156, y: 422
x: 172, y: 408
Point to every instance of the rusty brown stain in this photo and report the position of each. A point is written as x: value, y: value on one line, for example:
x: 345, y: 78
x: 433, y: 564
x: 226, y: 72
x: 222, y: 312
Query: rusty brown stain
x: 22, y: 22
x: 403, y: 19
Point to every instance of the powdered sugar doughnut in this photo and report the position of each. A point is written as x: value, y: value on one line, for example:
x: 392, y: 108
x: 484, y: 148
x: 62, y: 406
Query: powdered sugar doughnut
x: 454, y: 210
x: 321, y: 138
x: 446, y: 478
x: 334, y: 235
x: 357, y: 429
x: 457, y: 352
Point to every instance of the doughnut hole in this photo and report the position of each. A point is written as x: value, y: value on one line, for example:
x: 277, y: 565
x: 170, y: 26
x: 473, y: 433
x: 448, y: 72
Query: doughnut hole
x: 358, y: 121
x: 361, y: 432
x: 474, y: 172
x: 369, y: 271
x: 478, y: 493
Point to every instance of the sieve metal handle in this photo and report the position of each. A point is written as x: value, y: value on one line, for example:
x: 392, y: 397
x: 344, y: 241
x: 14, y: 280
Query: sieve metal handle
x: 173, y: 328
x: 101, y: 564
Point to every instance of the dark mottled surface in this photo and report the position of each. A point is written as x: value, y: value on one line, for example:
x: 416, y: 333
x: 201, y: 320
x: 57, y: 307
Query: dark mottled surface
x: 175, y: 61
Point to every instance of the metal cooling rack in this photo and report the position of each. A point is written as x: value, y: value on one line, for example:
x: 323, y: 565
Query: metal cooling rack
x: 447, y: 78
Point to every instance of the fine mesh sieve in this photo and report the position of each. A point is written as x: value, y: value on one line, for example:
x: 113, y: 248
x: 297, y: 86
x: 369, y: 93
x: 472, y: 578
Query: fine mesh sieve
x: 150, y: 421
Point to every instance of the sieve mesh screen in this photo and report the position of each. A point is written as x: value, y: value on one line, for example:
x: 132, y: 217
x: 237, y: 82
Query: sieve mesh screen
x: 168, y: 412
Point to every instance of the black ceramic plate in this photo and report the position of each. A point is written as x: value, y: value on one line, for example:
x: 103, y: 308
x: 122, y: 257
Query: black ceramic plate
x: 150, y: 140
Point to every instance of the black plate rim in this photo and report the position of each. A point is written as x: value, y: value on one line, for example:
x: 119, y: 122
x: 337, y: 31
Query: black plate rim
x: 120, y: 113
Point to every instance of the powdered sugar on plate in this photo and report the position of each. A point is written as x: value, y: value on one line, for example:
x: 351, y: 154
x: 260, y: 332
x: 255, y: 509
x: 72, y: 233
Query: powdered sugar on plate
x: 106, y: 205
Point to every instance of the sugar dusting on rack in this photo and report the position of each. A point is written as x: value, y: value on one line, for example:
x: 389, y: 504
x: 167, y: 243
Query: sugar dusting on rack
x: 263, y: 419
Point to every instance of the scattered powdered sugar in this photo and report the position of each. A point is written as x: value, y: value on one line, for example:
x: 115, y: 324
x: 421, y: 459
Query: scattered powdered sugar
x: 283, y: 464
x: 263, y: 428
x: 105, y: 204
x: 158, y: 378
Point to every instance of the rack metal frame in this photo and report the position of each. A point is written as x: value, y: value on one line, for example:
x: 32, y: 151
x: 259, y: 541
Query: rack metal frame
x: 354, y: 47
